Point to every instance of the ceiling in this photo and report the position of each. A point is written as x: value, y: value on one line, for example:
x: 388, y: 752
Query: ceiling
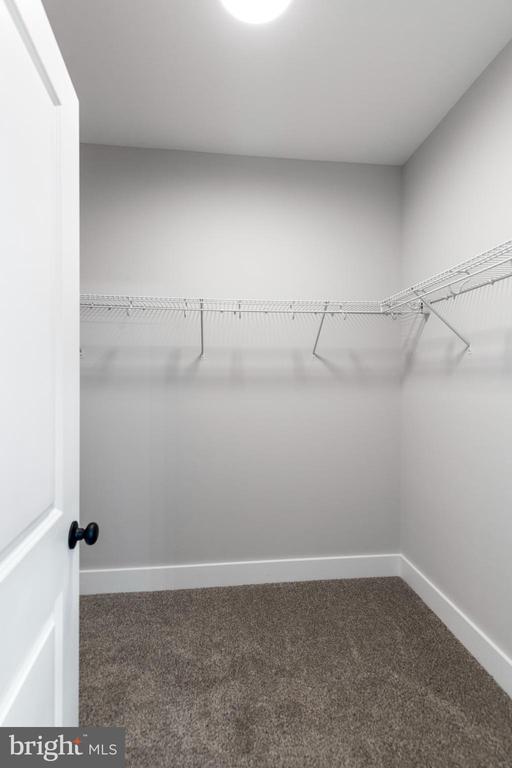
x: 352, y: 80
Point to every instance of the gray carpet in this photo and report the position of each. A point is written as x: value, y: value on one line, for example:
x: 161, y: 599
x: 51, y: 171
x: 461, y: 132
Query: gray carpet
x: 356, y: 673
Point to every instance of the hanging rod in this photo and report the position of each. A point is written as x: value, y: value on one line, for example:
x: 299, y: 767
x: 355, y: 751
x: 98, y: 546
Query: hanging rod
x: 483, y: 270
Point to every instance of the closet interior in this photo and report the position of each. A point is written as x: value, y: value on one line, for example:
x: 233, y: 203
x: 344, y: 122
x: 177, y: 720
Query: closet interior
x: 303, y: 502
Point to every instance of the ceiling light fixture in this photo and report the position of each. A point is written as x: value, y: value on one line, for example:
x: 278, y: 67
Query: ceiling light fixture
x: 256, y: 11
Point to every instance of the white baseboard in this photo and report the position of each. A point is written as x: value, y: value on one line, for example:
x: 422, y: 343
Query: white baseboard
x: 490, y: 656
x: 142, y: 579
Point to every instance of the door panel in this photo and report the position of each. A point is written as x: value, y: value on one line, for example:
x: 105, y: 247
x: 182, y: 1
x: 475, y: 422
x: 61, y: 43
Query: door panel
x: 39, y: 381
x: 35, y: 609
x: 29, y: 245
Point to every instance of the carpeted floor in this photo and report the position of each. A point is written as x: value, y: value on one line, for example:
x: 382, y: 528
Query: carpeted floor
x: 356, y: 673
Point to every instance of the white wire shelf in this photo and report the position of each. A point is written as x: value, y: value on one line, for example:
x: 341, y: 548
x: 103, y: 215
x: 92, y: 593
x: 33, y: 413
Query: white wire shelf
x: 92, y: 306
x: 483, y: 270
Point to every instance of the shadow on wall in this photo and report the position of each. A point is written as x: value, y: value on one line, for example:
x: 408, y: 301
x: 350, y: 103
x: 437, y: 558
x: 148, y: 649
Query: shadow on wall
x: 485, y: 318
x: 250, y: 352
x: 140, y: 354
x: 236, y: 367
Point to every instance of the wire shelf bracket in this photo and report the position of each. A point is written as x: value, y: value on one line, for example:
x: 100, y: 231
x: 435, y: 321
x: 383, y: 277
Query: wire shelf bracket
x: 201, y: 313
x: 320, y: 328
x: 448, y: 325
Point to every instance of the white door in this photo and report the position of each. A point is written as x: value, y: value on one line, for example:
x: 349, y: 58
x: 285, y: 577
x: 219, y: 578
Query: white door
x: 39, y: 358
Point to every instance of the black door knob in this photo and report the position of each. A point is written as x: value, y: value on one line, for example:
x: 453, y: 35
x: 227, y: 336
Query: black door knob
x: 89, y: 534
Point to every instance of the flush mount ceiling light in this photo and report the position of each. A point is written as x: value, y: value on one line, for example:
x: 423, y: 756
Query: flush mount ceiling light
x: 256, y: 11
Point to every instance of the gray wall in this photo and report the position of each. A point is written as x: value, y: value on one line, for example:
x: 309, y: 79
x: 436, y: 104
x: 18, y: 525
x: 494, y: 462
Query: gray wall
x: 257, y: 451
x: 457, y: 411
